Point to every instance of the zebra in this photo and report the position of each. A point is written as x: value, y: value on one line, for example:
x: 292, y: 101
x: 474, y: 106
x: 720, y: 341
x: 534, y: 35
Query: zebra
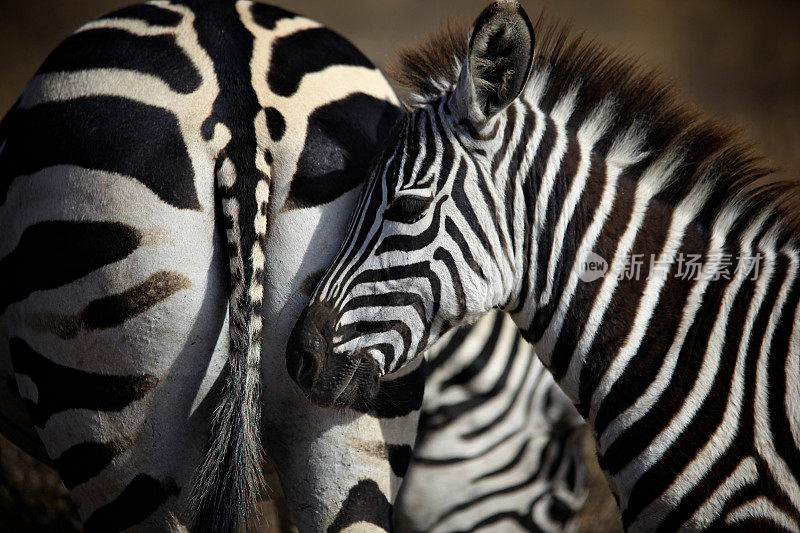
x: 143, y: 260
x: 134, y: 169
x: 499, y: 446
x: 529, y: 179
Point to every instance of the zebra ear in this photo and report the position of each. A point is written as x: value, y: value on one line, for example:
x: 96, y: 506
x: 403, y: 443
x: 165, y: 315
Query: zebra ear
x: 499, y: 61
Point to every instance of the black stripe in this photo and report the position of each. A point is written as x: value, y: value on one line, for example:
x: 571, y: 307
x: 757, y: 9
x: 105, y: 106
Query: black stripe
x: 530, y: 189
x: 341, y: 139
x: 443, y: 255
x: 409, y: 243
x: 139, y: 500
x: 267, y: 16
x: 463, y: 247
x: 450, y: 414
x: 448, y: 350
x: 51, y: 254
x: 448, y: 158
x: 157, y: 55
x: 306, y: 52
x: 102, y: 133
x: 430, y: 151
x: 276, y: 124
x: 493, y: 208
x: 399, y: 458
x: 413, y: 270
x: 479, y: 361
x: 390, y: 299
x: 61, y: 388
x: 508, y: 134
x: 396, y: 397
x: 567, y: 170
x: 465, y: 207
x: 115, y: 309
x: 80, y: 463
x: 365, y: 503
x: 153, y: 15
x: 503, y: 415
x: 779, y: 387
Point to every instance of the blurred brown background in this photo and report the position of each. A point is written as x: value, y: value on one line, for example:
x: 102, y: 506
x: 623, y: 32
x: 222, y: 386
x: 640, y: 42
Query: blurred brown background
x: 738, y: 59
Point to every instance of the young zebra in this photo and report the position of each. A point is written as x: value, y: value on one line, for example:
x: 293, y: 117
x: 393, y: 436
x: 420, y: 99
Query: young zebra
x: 513, y: 177
x: 302, y: 107
x: 499, y: 445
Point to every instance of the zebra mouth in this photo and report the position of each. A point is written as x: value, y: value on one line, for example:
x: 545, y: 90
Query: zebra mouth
x: 345, y: 386
x: 328, y: 379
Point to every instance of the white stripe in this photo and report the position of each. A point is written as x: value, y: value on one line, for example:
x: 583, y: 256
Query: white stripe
x: 761, y: 507
x: 682, y: 216
x: 764, y: 441
x: 706, y: 458
x: 746, y: 473
x: 648, y: 186
x: 624, y: 152
x: 588, y: 134
x: 646, y: 401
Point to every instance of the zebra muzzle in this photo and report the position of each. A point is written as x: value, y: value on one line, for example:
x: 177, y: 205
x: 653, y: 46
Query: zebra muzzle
x: 328, y: 379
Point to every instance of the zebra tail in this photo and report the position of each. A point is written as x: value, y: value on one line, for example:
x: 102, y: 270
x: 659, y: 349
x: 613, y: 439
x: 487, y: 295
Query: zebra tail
x: 230, y: 478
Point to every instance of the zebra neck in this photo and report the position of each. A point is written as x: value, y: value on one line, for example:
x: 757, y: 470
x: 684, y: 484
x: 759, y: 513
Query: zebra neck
x: 684, y: 305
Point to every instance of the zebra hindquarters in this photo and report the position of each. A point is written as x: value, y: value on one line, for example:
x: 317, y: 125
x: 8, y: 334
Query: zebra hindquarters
x: 499, y: 446
x: 115, y: 317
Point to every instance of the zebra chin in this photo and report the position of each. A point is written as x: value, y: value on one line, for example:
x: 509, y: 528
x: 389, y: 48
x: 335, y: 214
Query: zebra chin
x: 328, y: 379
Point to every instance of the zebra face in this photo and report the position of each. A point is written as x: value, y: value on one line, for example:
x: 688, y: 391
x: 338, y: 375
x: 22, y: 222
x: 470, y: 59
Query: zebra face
x: 419, y: 257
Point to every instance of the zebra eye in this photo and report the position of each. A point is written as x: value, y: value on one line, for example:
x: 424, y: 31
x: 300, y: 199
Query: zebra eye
x: 407, y: 208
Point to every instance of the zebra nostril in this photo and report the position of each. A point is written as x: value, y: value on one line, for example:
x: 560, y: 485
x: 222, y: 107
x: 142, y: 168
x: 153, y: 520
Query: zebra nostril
x: 306, y: 369
x: 305, y: 351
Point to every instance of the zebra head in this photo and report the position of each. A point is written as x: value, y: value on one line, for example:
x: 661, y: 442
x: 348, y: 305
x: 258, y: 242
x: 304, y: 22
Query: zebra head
x: 420, y: 257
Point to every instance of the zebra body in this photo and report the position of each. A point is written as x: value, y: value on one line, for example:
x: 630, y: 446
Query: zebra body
x: 118, y: 355
x: 499, y: 445
x: 116, y: 266
x: 515, y: 171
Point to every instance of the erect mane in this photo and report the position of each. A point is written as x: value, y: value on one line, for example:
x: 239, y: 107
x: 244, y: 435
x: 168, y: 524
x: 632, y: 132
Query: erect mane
x: 642, y: 97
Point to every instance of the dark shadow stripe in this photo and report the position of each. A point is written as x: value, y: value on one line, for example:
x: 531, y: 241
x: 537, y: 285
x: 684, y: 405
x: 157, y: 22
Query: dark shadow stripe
x: 115, y: 309
x: 61, y: 388
x: 102, y: 133
x: 442, y: 354
x: 552, y: 446
x: 153, y: 15
x: 396, y: 397
x: 306, y: 52
x: 157, y: 55
x: 82, y: 462
x: 341, y: 139
x: 51, y: 254
x: 139, y: 500
x: 365, y: 503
